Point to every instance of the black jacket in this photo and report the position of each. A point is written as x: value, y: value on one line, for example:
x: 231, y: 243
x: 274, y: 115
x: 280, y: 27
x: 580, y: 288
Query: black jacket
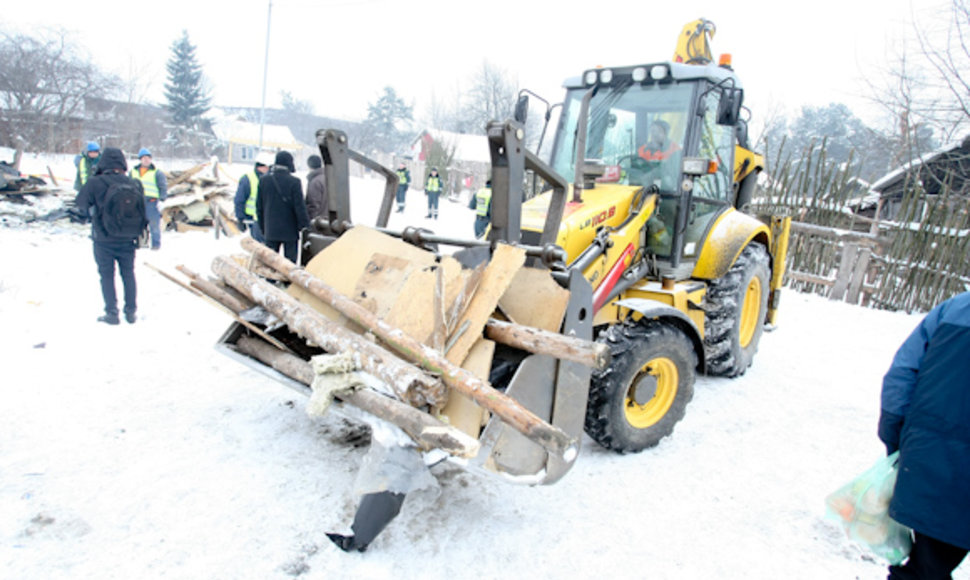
x: 111, y: 168
x: 280, y: 208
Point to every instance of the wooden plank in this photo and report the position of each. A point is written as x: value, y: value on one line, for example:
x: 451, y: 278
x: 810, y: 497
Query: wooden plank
x: 498, y: 274
x: 343, y: 262
x: 535, y: 299
x: 858, y: 275
x: 846, y: 263
x: 413, y: 310
x: 381, y: 282
x: 463, y: 412
x: 810, y: 278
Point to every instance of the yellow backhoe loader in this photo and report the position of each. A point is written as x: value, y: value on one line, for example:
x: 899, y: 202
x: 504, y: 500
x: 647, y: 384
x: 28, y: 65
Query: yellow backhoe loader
x: 636, y: 248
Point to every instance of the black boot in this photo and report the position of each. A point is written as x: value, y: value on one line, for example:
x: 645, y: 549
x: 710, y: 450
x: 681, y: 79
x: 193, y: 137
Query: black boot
x: 109, y: 319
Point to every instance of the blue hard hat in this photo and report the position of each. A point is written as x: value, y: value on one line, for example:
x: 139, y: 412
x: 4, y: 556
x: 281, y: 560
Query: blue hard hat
x: 143, y: 152
x: 93, y: 146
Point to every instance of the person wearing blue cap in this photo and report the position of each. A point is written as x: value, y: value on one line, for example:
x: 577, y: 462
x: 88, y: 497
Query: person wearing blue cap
x: 156, y: 190
x: 86, y: 164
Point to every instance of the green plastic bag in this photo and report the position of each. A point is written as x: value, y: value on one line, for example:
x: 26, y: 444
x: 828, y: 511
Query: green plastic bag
x: 862, y: 507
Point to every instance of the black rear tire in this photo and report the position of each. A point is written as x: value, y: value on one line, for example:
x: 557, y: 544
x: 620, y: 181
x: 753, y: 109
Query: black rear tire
x: 735, y: 310
x: 640, y: 397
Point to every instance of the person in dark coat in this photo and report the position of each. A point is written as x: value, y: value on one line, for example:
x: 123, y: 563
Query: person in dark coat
x: 317, y: 203
x: 109, y: 249
x: 926, y: 416
x: 280, y: 208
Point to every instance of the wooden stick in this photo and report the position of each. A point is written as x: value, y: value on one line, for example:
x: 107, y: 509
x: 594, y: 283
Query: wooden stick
x: 536, y: 340
x: 426, y: 431
x: 508, y: 409
x: 407, y: 380
x: 222, y: 307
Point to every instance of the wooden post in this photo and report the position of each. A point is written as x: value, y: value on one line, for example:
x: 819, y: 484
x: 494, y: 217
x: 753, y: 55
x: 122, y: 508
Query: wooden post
x: 507, y: 408
x: 858, y: 275
x: 427, y: 431
x: 408, y: 381
x: 846, y: 263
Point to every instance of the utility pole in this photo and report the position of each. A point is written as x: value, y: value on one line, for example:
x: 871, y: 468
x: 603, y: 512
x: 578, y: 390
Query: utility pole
x: 262, y: 107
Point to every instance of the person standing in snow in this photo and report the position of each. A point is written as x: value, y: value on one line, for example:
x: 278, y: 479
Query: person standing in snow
x: 925, y: 415
x: 110, y: 246
x: 244, y: 202
x: 481, y: 202
x: 403, y: 181
x: 432, y: 189
x: 156, y: 190
x: 280, y: 208
x: 317, y: 203
x: 86, y: 164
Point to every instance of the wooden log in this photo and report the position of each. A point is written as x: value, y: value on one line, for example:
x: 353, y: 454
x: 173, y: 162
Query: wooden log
x: 508, y: 409
x: 408, y: 381
x: 535, y: 340
x: 213, y: 291
x: 426, y: 431
x: 220, y: 306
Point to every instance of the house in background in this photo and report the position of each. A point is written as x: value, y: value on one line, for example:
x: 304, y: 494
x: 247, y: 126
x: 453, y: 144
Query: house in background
x: 470, y: 164
x: 946, y: 170
x: 241, y: 139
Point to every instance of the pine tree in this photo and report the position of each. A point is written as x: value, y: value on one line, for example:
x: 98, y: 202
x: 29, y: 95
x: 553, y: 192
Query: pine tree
x: 187, y: 99
x: 384, y: 118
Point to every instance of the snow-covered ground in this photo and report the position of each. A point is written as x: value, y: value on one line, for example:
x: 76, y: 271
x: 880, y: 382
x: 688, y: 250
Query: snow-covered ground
x: 137, y: 451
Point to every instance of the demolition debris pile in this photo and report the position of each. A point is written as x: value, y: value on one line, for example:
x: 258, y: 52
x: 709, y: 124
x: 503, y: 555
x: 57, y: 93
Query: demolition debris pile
x: 199, y: 198
x: 424, y: 326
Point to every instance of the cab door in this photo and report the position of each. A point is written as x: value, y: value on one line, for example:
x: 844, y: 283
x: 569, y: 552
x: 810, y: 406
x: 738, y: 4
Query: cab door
x: 712, y: 193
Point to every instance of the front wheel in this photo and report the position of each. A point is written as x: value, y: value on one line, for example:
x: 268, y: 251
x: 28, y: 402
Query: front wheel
x: 736, y: 306
x: 639, y: 399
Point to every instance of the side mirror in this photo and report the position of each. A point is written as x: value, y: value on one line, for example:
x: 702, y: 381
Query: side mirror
x: 521, y: 109
x: 729, y: 108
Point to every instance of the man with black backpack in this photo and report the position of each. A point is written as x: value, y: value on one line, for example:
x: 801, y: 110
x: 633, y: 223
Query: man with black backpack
x: 116, y: 204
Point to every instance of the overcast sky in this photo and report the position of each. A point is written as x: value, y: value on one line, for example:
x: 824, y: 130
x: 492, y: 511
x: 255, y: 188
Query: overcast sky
x: 339, y: 54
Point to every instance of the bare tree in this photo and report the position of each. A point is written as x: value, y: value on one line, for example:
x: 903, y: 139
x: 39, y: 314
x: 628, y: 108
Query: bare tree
x: 44, y: 82
x: 947, y: 52
x: 925, y: 93
x: 492, y: 97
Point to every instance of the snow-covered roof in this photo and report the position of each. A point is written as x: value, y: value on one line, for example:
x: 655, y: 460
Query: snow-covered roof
x: 467, y: 147
x: 895, y: 176
x: 245, y: 133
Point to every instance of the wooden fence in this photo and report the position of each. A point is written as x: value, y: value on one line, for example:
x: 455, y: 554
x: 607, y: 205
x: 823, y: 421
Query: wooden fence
x: 911, y: 263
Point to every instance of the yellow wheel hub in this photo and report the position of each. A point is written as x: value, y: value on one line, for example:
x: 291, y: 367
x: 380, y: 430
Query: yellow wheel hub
x: 750, y: 312
x: 652, y: 393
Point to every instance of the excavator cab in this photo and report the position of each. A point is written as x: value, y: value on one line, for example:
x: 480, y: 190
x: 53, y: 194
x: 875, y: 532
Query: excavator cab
x: 669, y: 128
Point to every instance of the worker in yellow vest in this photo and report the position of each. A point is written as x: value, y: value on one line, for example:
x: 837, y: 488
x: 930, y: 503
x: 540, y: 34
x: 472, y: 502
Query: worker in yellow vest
x: 481, y: 202
x: 245, y: 200
x: 156, y: 190
x: 432, y: 189
x: 86, y: 163
x: 403, y: 182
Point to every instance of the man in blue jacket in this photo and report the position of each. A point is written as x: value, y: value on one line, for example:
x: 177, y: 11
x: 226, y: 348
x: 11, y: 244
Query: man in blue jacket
x: 926, y: 416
